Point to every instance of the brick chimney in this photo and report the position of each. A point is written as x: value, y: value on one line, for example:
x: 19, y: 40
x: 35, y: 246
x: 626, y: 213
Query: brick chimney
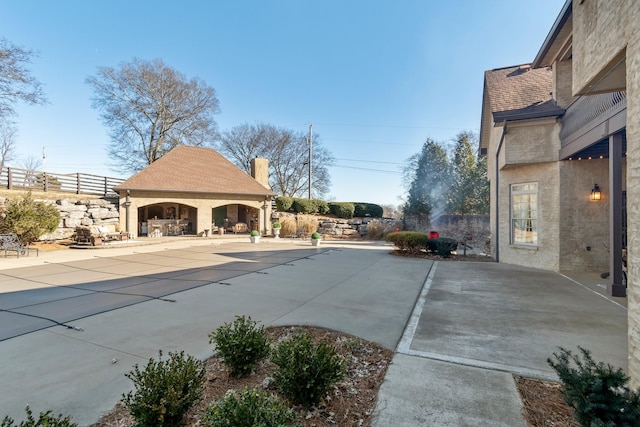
x: 260, y: 171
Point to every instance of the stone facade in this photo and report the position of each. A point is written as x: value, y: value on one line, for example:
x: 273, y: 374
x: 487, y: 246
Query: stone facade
x: 74, y: 213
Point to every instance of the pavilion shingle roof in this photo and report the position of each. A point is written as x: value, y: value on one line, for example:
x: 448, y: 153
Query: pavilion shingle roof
x: 194, y: 169
x: 521, y: 92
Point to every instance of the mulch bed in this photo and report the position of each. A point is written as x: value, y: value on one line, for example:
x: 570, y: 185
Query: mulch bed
x: 351, y: 403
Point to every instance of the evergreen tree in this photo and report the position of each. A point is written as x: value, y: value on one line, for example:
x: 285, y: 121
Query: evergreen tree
x: 469, y: 187
x: 429, y: 174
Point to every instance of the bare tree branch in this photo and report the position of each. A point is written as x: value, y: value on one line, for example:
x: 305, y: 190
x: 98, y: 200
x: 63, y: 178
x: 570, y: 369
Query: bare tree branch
x: 288, y: 155
x: 8, y: 134
x: 150, y: 108
x: 16, y: 82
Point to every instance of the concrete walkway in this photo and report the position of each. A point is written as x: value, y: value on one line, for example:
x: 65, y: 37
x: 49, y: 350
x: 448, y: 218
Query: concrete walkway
x: 353, y: 287
x: 460, y: 329
x: 476, y: 325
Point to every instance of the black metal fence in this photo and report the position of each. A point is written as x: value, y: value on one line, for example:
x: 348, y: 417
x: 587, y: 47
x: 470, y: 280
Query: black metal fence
x: 78, y: 183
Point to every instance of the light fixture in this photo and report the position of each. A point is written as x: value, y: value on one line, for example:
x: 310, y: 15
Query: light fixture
x: 595, y: 193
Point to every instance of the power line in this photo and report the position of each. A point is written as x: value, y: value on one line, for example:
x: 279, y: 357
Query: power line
x: 370, y: 161
x: 368, y: 169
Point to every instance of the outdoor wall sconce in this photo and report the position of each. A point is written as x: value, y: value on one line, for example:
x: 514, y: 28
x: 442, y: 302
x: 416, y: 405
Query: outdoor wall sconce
x: 595, y: 193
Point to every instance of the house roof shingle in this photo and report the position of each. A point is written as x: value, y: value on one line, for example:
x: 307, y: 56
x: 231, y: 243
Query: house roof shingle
x: 195, y: 169
x: 521, y: 92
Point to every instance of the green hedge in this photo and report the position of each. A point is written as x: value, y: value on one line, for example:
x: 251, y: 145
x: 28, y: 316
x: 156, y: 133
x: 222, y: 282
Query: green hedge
x: 284, y: 203
x: 322, y: 207
x: 408, y: 241
x: 342, y: 209
x: 304, y: 206
x: 413, y: 241
x: 368, y: 209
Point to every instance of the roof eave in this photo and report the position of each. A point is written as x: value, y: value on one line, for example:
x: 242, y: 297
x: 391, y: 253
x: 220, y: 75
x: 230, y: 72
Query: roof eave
x: 156, y: 190
x: 500, y: 117
x: 561, y: 20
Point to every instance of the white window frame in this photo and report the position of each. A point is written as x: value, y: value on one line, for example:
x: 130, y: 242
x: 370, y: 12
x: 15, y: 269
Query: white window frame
x: 521, y: 196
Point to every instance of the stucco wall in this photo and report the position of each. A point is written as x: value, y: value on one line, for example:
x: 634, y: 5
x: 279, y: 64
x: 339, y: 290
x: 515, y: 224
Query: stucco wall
x: 545, y: 255
x: 204, y: 203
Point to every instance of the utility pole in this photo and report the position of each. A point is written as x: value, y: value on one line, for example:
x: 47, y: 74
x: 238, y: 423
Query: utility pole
x: 310, y: 154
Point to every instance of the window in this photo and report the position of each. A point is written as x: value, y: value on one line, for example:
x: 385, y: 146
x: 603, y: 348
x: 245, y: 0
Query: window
x: 524, y: 214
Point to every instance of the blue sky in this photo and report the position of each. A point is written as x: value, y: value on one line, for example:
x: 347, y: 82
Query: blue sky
x: 376, y: 78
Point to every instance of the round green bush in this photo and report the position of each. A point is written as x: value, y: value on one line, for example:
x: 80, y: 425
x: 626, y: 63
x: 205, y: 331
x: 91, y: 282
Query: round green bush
x: 283, y: 203
x: 315, y: 235
x: 276, y: 225
x: 249, y: 407
x: 306, y: 370
x: 255, y: 233
x: 165, y: 390
x: 408, y: 241
x: 240, y: 345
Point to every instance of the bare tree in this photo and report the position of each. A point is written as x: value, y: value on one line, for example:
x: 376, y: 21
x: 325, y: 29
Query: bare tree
x: 150, y: 108
x: 8, y: 133
x: 31, y: 164
x: 16, y: 82
x: 288, y: 155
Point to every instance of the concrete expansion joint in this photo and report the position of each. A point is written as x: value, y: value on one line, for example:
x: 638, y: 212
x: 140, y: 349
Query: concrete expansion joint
x: 481, y: 364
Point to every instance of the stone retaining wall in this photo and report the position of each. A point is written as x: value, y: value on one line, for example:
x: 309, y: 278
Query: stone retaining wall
x: 74, y: 213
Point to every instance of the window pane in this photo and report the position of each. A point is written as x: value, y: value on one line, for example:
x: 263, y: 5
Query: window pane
x: 524, y: 213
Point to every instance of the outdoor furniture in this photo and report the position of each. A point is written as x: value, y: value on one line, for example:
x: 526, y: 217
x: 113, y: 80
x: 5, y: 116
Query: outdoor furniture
x: 239, y: 227
x: 10, y: 242
x: 97, y: 235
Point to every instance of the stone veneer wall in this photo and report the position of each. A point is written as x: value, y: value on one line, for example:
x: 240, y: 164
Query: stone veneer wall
x: 74, y: 213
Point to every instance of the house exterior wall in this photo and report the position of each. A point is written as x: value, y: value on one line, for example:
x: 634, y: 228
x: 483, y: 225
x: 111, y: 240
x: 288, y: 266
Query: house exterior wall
x: 583, y: 222
x: 530, y: 142
x: 562, y: 83
x: 545, y: 254
x: 604, y: 31
x: 601, y: 31
x: 203, y: 202
x: 633, y: 209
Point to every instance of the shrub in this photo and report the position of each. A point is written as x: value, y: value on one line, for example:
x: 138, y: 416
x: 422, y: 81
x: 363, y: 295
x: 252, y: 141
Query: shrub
x: 322, y: 207
x: 342, y: 209
x: 367, y: 209
x: 315, y: 235
x: 250, y: 407
x: 408, y: 241
x: 255, y: 233
x: 304, y: 206
x: 240, y: 345
x: 306, y: 370
x: 45, y: 419
x: 597, y: 392
x: 276, y: 225
x: 443, y: 246
x: 283, y: 203
x: 30, y: 219
x: 165, y: 389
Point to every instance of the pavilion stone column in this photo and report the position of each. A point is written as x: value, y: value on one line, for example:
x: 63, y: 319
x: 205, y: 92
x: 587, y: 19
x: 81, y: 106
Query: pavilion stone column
x: 633, y: 207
